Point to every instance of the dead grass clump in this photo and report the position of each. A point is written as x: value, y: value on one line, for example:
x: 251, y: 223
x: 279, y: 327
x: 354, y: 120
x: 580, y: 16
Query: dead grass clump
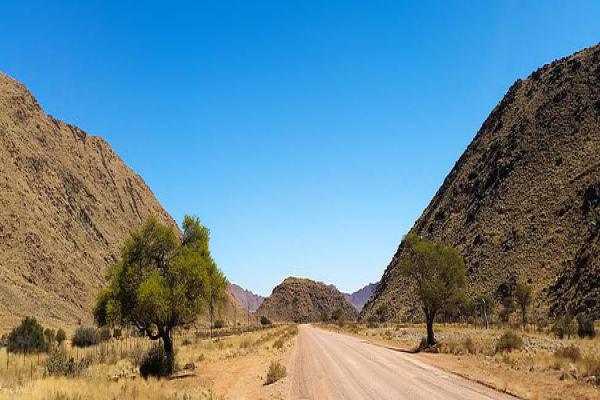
x: 508, y: 342
x: 275, y: 373
x: 246, y: 342
x: 571, y: 352
x: 279, y: 343
x: 589, y: 366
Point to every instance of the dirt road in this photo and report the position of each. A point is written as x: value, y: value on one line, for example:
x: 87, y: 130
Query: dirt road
x: 329, y: 365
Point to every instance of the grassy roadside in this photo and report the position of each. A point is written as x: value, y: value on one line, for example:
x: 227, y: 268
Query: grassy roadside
x: 544, y: 368
x: 230, y: 367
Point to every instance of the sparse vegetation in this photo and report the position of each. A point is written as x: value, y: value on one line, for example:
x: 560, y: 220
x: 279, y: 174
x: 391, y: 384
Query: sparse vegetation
x: 89, y: 336
x: 508, y: 342
x: 276, y: 372
x: 219, y: 324
x: 564, y: 326
x: 264, y: 321
x: 586, y: 328
x: 59, y: 363
x: 571, y: 352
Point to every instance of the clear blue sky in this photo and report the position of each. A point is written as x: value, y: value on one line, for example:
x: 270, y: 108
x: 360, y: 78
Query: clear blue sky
x: 308, y: 137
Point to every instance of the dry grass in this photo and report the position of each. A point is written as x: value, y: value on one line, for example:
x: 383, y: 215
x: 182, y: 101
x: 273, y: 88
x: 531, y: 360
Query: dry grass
x: 113, y: 373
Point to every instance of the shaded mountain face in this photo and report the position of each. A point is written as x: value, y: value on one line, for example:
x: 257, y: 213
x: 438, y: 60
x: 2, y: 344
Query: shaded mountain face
x: 67, y: 202
x: 523, y: 201
x: 245, y: 298
x: 303, y: 300
x: 359, y: 298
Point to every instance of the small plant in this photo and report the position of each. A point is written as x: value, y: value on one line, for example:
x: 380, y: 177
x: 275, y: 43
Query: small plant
x: 219, y: 324
x: 61, y: 336
x: 509, y: 342
x: 117, y: 333
x: 59, y: 363
x: 470, y: 346
x: 3, y: 340
x: 186, y: 342
x: 104, y: 334
x: 264, y: 321
x: 28, y: 337
x: 275, y: 373
x: 85, y: 337
x: 278, y: 344
x: 571, y: 352
x: 156, y: 363
x: 586, y: 328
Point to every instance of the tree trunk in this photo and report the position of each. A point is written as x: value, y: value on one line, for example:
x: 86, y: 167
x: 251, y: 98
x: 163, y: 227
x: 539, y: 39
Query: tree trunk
x: 168, y: 346
x: 430, y: 336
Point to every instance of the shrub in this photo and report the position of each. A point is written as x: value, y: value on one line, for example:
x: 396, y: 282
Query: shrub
x: 186, y: 342
x: 104, y: 334
x: 265, y: 321
x: 117, y: 333
x: 219, y: 324
x: 586, y: 328
x: 59, y: 363
x: 278, y: 344
x: 156, y: 363
x: 372, y: 322
x: 564, y: 326
x: 61, y: 336
x: 275, y: 373
x: 509, y: 342
x: 570, y: 353
x: 3, y: 340
x: 50, y: 335
x: 28, y: 337
x: 590, y: 366
x: 470, y: 346
x: 85, y: 337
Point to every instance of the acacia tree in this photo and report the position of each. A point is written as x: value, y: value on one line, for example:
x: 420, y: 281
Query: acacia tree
x: 523, y: 295
x: 160, y: 282
x: 438, y: 272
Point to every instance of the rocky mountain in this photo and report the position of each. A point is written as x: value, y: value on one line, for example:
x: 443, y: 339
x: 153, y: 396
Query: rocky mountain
x: 245, y: 297
x: 304, y: 300
x: 360, y: 297
x: 523, y: 201
x: 67, y: 201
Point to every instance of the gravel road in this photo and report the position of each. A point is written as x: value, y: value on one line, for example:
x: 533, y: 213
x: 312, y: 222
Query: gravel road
x: 328, y: 365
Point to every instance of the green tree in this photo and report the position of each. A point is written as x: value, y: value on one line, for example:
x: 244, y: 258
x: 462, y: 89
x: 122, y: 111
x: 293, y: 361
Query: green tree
x: 215, y: 291
x: 382, y: 313
x: 160, y: 282
x: 61, y: 336
x: 28, y: 337
x: 439, y: 274
x: 523, y: 295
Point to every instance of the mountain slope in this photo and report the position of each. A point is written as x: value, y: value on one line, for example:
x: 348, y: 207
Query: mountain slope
x: 304, y: 300
x: 245, y: 297
x: 67, y: 202
x: 359, y: 298
x: 523, y: 201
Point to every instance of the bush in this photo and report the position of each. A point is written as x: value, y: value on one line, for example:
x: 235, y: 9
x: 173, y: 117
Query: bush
x: 219, y: 324
x: 586, y: 328
x: 61, y: 336
x: 372, y: 322
x: 570, y: 353
x: 28, y: 338
x: 264, y: 321
x: 156, y: 363
x: 470, y: 346
x: 104, y: 334
x: 564, y: 326
x: 117, y: 333
x: 50, y: 335
x: 59, y: 363
x: 278, y: 344
x: 85, y: 337
x: 275, y: 373
x: 509, y: 342
x: 4, y: 340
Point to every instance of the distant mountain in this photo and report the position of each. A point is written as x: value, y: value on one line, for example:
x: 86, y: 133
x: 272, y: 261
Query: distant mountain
x: 523, y: 201
x: 359, y: 298
x: 245, y: 297
x: 67, y: 203
x: 304, y: 300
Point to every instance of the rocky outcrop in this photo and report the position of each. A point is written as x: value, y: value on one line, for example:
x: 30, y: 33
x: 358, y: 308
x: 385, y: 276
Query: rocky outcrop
x: 245, y: 298
x: 523, y: 201
x: 303, y: 300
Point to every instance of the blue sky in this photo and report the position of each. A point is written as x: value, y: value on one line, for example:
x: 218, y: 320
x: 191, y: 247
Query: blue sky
x: 308, y: 136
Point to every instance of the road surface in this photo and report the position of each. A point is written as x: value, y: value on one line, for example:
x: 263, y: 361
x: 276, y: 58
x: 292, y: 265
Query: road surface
x: 327, y: 365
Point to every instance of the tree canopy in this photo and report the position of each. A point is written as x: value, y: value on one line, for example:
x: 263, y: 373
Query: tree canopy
x: 160, y: 282
x: 439, y: 274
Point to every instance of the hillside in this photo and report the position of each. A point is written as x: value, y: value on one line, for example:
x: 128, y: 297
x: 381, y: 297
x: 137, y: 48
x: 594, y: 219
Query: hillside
x: 67, y: 202
x: 245, y: 298
x: 523, y: 201
x: 304, y: 300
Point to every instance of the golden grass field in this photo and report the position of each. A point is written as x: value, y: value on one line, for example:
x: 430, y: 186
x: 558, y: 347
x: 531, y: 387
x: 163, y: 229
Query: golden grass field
x: 538, y: 371
x: 225, y: 368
